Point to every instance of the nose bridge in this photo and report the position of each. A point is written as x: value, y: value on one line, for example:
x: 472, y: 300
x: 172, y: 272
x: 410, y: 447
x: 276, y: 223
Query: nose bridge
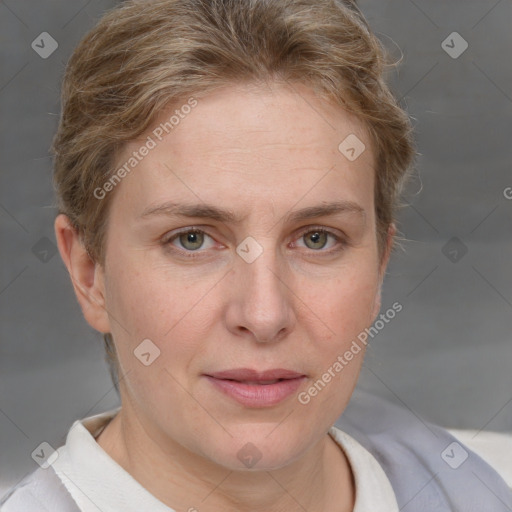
x: 264, y: 274
x: 264, y: 298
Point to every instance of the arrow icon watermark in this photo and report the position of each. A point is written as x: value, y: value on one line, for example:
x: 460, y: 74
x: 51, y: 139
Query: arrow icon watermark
x: 45, y: 455
x: 249, y: 249
x: 146, y: 352
x: 352, y: 147
x: 44, y: 45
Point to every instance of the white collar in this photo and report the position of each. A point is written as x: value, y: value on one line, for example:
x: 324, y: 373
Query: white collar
x: 99, y: 484
x: 373, y: 488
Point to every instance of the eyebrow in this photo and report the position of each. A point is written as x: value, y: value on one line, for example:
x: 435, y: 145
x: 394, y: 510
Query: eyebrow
x: 209, y: 211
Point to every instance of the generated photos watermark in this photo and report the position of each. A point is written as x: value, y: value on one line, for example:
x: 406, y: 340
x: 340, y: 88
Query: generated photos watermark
x: 152, y: 141
x: 304, y: 397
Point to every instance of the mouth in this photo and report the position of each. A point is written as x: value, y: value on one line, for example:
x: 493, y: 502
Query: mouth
x: 249, y: 375
x: 257, y: 382
x: 257, y: 389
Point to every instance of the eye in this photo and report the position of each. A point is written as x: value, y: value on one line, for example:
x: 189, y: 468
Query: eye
x: 317, y: 239
x: 190, y: 240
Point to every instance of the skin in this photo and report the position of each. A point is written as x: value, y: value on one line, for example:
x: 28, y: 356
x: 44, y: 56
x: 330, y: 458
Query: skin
x: 262, y: 152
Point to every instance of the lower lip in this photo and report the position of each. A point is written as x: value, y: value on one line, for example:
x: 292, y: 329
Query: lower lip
x: 257, y: 395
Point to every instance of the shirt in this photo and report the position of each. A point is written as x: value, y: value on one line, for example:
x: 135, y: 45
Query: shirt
x: 97, y: 483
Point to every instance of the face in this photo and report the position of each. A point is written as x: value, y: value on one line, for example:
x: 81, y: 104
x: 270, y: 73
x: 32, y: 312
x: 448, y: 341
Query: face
x: 219, y: 253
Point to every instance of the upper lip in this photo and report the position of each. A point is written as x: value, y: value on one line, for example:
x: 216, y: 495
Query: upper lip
x: 247, y: 374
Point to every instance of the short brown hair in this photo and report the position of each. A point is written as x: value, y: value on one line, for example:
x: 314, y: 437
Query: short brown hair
x: 144, y: 55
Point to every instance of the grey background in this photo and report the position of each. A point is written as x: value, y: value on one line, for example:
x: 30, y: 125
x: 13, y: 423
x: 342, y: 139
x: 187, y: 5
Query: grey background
x: 446, y: 356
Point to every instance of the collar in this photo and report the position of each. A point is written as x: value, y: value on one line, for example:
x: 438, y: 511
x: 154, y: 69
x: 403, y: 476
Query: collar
x: 97, y: 482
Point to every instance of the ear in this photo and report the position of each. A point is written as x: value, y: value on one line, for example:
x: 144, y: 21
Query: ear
x: 382, y: 268
x: 86, y: 275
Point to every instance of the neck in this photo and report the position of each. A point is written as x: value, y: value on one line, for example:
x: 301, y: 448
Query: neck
x: 320, y: 481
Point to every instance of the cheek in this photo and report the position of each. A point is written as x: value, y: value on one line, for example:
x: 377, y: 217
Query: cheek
x: 346, y: 304
x: 145, y: 298
x: 156, y: 338
x: 343, y: 311
x: 150, y: 304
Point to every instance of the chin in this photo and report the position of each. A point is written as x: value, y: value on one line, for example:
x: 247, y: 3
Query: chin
x: 263, y: 447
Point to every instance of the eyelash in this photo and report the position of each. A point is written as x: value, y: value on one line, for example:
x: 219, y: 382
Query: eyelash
x: 341, y: 242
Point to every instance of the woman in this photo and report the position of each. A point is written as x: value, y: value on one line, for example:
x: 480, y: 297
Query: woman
x: 227, y: 174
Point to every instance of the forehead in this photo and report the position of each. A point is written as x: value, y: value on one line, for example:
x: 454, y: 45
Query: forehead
x: 250, y: 145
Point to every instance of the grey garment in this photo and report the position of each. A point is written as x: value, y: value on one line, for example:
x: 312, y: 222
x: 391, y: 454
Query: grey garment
x: 427, y: 467
x: 418, y: 458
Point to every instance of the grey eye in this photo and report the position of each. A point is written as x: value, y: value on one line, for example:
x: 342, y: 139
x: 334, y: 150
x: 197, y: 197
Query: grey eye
x: 192, y: 240
x: 318, y: 239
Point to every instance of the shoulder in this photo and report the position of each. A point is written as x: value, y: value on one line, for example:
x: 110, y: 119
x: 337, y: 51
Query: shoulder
x: 40, y: 491
x: 493, y: 447
x: 426, y: 464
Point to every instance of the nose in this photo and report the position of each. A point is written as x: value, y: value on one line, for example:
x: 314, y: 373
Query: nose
x: 261, y: 302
